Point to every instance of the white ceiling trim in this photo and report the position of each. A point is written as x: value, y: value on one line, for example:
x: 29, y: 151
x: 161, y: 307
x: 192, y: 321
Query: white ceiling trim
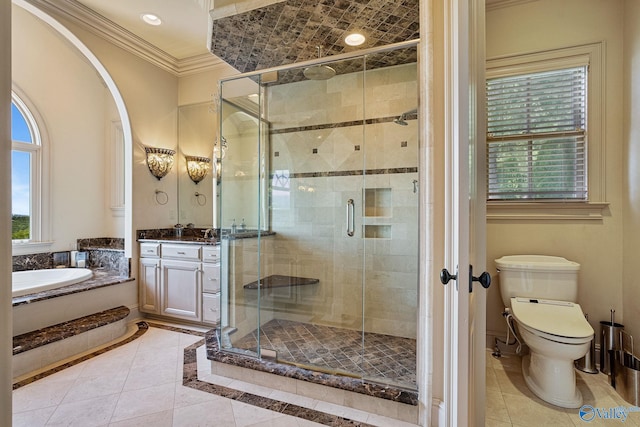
x: 115, y: 34
x: 498, y: 4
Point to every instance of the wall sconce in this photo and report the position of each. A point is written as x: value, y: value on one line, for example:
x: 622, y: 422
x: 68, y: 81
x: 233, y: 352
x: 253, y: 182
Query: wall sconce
x: 159, y: 161
x: 197, y: 167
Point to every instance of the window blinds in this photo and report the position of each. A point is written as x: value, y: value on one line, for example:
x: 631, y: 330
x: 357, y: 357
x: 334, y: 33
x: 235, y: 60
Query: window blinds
x: 536, y: 135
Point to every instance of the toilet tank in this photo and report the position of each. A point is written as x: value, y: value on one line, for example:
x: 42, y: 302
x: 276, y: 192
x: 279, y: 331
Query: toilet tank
x: 537, y: 276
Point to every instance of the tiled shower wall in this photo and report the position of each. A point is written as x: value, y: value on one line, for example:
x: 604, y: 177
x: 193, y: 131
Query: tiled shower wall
x: 319, y: 149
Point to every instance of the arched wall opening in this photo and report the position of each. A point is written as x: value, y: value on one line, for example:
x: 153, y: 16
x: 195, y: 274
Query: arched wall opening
x: 119, y: 104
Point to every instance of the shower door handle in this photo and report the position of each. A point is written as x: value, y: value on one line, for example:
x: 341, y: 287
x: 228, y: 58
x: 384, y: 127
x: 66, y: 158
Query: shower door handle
x: 351, y: 225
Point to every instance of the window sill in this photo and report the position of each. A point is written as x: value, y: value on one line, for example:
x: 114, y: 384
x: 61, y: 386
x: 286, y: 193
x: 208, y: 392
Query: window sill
x: 27, y: 248
x: 546, y: 211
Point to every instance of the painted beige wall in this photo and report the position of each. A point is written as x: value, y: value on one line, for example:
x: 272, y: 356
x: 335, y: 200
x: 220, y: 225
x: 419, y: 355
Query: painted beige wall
x: 73, y: 102
x: 596, y: 245
x: 631, y: 239
x: 202, y: 87
x: 151, y: 98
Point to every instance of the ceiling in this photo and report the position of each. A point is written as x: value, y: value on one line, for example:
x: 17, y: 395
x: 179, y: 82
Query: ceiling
x: 249, y: 34
x: 292, y: 30
x: 184, y: 29
x: 259, y: 34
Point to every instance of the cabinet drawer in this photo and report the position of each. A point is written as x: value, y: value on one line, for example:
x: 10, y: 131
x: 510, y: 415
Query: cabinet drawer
x: 211, y: 254
x: 211, y: 308
x: 185, y: 252
x: 150, y: 250
x: 210, y: 278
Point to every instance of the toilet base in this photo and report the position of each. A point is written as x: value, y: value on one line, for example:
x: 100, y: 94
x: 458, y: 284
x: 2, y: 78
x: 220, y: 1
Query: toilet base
x: 553, y: 381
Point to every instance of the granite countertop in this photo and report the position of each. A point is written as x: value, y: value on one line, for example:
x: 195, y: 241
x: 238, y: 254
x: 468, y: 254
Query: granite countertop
x: 225, y: 235
x: 184, y: 239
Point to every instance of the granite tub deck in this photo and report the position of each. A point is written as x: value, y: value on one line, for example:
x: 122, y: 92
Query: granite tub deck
x: 56, y: 324
x: 101, y: 278
x: 387, y: 400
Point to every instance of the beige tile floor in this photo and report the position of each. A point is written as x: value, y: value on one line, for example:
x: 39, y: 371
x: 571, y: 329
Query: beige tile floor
x: 140, y: 384
x: 510, y: 403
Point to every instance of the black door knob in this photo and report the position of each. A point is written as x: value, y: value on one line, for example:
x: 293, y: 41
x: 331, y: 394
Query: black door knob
x: 445, y: 276
x: 484, y: 279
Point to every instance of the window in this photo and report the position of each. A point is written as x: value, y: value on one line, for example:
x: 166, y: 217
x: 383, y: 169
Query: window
x: 536, y: 135
x: 545, y: 144
x: 26, y: 175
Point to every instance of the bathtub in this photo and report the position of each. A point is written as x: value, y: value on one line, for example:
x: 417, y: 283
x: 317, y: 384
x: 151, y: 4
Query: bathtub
x: 32, y: 281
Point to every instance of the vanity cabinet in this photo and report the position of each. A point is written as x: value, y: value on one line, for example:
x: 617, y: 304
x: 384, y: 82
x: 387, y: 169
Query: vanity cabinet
x: 180, y: 281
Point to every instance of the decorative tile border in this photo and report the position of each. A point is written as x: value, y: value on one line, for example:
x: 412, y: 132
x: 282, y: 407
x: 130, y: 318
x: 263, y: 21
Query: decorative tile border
x: 356, y: 172
x: 410, y: 116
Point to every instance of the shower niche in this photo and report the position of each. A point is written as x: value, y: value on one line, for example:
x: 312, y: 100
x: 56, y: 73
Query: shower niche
x: 377, y: 204
x: 336, y: 227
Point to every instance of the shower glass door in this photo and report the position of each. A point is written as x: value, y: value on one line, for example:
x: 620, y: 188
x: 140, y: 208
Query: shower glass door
x: 326, y: 276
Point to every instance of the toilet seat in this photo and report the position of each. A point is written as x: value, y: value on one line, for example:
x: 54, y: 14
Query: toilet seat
x: 559, y: 321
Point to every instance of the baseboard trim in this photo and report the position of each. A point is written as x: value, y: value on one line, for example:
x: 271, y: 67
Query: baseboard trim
x: 438, y: 413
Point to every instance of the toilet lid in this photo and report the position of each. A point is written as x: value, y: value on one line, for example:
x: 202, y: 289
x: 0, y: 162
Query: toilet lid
x: 559, y: 318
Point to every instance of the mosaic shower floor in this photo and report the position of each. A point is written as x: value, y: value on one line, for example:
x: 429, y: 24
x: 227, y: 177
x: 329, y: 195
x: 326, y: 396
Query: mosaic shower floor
x: 384, y: 358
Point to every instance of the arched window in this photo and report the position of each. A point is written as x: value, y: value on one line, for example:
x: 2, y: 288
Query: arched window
x: 26, y: 174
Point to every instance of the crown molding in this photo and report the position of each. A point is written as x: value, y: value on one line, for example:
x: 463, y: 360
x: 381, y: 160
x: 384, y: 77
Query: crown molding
x: 198, y: 64
x: 108, y: 30
x: 499, y: 4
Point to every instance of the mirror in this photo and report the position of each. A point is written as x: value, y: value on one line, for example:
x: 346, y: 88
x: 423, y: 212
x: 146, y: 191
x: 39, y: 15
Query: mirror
x: 196, y: 138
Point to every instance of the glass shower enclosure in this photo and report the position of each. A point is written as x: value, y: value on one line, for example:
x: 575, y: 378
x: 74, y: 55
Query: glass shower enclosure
x: 319, y: 214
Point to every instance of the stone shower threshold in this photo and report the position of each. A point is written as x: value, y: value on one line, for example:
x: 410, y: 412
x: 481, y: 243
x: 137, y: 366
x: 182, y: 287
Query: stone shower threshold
x: 334, y: 380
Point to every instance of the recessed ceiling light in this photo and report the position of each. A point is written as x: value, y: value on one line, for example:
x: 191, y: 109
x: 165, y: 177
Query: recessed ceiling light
x: 151, y: 19
x: 354, y: 39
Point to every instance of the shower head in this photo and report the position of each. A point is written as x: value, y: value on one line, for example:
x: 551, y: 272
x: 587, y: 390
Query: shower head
x: 400, y: 121
x: 319, y: 72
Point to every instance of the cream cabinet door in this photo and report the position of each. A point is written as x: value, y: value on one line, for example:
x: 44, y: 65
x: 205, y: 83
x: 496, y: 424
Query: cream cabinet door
x: 149, y: 286
x: 182, y: 289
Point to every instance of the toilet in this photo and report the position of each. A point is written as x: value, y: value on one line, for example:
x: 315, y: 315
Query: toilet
x: 540, y: 292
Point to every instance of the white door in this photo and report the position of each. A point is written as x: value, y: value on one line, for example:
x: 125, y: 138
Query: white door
x: 465, y: 299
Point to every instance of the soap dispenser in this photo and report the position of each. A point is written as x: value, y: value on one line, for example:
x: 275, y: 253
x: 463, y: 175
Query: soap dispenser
x: 234, y: 227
